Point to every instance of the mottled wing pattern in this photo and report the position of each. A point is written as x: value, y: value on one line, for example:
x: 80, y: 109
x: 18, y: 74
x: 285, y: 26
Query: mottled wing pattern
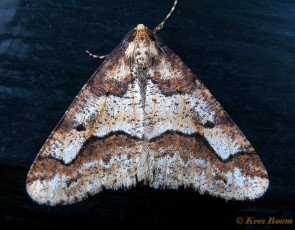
x: 97, y: 143
x: 193, y: 142
x: 144, y: 116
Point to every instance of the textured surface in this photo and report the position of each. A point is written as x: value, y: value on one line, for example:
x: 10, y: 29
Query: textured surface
x: 243, y: 51
x: 150, y: 129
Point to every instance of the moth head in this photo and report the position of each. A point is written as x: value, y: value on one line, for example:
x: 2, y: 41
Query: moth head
x: 141, y: 51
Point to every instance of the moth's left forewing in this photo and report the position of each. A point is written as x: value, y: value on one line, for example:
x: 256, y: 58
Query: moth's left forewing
x: 97, y: 142
x: 193, y: 140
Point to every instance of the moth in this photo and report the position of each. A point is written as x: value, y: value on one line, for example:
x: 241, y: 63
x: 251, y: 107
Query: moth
x: 144, y: 116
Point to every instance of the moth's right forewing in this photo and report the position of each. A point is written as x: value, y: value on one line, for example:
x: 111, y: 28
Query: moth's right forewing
x: 194, y: 143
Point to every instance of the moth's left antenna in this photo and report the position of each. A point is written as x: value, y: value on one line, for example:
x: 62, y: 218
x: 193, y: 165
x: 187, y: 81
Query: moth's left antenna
x: 95, y: 56
x: 160, y: 26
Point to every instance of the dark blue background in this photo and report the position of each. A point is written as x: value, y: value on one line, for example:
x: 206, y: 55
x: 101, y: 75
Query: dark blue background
x: 244, y: 52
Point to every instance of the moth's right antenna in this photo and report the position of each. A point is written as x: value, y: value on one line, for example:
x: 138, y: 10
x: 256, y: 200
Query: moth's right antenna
x: 160, y: 26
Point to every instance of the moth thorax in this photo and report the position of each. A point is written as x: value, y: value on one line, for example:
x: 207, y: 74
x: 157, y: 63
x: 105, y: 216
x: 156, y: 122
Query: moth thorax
x: 142, y: 58
x: 142, y: 54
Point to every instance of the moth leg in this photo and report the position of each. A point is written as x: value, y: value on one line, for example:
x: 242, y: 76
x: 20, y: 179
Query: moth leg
x: 95, y: 56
